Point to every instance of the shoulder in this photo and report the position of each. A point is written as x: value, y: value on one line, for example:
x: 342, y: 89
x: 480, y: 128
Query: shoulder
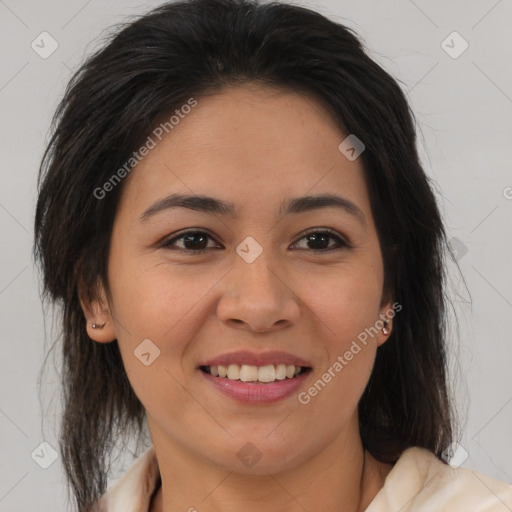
x: 420, y: 482
x: 132, y: 492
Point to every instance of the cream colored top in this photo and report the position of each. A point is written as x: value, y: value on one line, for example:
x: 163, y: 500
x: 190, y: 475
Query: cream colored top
x: 418, y: 482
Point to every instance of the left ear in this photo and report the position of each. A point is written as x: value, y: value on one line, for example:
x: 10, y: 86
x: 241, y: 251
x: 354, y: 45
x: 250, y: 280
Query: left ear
x: 385, y: 322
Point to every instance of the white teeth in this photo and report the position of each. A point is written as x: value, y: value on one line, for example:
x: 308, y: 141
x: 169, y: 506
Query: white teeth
x: 233, y: 372
x: 280, y: 372
x: 250, y: 373
x: 267, y: 373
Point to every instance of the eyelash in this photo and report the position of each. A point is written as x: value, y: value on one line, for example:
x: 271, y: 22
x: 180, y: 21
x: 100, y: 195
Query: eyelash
x: 168, y: 244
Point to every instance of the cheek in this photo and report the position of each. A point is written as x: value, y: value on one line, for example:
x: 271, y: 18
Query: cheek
x: 344, y: 309
x: 157, y: 303
x: 345, y: 302
x: 343, y: 317
x: 151, y: 317
x: 153, y: 299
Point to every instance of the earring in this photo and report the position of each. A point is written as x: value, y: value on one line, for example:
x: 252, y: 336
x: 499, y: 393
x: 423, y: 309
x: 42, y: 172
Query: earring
x: 98, y: 326
x: 385, y: 329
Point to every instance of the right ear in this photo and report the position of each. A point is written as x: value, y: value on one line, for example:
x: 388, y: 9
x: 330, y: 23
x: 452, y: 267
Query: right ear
x: 100, y: 326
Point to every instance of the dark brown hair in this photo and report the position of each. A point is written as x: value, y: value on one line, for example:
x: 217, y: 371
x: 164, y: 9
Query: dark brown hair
x: 154, y: 65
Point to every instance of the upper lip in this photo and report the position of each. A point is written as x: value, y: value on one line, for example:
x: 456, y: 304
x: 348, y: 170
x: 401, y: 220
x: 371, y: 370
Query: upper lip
x: 257, y: 359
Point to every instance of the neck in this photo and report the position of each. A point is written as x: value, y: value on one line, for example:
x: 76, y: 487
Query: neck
x: 342, y: 476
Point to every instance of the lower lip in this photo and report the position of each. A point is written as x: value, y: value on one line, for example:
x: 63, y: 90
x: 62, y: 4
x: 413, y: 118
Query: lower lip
x: 250, y: 393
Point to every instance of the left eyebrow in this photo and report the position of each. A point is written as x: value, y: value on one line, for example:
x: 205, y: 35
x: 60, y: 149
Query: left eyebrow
x: 199, y: 203
x: 308, y: 203
x: 208, y: 204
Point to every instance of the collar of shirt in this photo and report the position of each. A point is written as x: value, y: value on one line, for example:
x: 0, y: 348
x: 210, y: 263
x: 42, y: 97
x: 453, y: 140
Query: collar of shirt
x: 418, y: 482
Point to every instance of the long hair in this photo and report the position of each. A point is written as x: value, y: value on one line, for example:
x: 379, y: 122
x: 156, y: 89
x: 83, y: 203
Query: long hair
x: 149, y: 68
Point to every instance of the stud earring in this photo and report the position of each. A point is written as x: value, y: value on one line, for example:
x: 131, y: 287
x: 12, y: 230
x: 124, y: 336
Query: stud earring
x: 98, y: 326
x: 385, y: 329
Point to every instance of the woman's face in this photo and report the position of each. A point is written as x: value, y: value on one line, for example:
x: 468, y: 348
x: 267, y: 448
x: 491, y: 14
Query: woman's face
x: 262, y: 282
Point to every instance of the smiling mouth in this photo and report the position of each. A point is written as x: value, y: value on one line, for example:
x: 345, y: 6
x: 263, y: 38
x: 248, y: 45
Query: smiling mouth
x: 255, y: 374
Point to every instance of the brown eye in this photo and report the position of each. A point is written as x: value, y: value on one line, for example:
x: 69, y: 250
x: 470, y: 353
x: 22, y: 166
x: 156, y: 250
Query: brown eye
x: 191, y: 241
x: 319, y: 240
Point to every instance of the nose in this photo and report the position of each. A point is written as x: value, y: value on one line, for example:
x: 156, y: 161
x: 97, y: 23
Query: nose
x: 257, y: 297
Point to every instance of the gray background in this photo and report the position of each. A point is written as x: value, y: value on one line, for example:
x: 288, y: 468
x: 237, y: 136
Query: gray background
x: 463, y: 107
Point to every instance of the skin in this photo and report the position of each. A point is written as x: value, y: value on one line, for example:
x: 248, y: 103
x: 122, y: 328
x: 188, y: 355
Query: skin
x: 256, y: 147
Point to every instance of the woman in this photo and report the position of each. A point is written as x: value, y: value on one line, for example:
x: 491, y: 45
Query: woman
x: 250, y: 263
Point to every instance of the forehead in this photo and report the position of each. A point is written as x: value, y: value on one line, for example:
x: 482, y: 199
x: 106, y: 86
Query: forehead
x: 248, y: 143
x: 254, y: 116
